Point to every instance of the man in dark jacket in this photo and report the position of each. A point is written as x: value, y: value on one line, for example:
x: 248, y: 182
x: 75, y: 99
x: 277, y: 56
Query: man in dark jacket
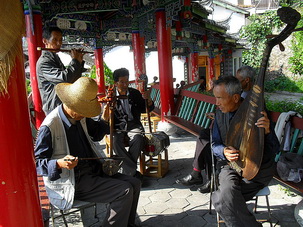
x: 230, y: 199
x: 127, y: 121
x: 202, y: 158
x: 51, y: 71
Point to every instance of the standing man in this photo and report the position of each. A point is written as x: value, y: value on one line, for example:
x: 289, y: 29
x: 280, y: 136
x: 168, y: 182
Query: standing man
x: 51, y: 71
x: 65, y: 155
x: 127, y: 121
x: 246, y: 75
x: 230, y: 199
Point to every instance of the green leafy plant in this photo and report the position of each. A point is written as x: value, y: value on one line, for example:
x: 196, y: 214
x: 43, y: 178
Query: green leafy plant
x: 108, y: 74
x: 255, y: 33
x: 28, y: 86
x: 284, y: 106
x: 284, y: 83
x: 296, y: 60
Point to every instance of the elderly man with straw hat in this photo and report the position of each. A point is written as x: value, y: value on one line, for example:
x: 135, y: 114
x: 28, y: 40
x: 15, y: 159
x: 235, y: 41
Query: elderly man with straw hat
x: 64, y: 151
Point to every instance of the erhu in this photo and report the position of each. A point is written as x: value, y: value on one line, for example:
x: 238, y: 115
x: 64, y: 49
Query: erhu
x: 112, y: 164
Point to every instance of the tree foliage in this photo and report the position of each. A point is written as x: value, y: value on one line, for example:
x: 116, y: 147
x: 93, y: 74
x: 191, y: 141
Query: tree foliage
x: 296, y: 60
x: 108, y: 74
x: 255, y: 33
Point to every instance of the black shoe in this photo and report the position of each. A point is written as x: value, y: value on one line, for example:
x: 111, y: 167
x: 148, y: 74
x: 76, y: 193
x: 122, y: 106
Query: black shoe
x: 190, y: 180
x: 139, y: 176
x: 205, y: 188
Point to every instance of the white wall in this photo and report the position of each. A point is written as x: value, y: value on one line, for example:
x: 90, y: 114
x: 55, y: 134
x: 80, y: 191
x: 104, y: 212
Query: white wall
x: 122, y: 57
x: 236, y: 22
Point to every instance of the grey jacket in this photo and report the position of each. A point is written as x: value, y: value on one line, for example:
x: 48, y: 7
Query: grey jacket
x: 51, y: 71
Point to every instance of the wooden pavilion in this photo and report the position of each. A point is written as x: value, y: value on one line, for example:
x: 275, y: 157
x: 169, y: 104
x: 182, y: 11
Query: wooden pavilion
x: 171, y: 27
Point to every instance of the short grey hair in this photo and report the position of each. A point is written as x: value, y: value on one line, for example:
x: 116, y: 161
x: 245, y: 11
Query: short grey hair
x: 247, y: 72
x: 232, y: 84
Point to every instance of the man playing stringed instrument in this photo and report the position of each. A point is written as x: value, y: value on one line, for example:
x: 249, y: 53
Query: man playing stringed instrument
x: 202, y: 158
x: 68, y: 160
x: 127, y: 122
x: 230, y: 199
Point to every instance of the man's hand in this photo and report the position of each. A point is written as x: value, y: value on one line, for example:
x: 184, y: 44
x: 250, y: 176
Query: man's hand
x: 105, y: 113
x: 263, y: 122
x: 77, y: 54
x: 72, y: 162
x: 231, y: 154
x: 146, y: 95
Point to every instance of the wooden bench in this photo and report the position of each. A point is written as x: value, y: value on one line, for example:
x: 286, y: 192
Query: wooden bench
x: 158, y: 166
x: 296, y: 146
x: 191, y: 111
x: 155, y: 94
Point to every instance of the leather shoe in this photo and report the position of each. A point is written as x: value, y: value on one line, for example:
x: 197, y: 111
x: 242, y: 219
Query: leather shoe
x: 205, y: 188
x: 139, y: 176
x: 189, y: 180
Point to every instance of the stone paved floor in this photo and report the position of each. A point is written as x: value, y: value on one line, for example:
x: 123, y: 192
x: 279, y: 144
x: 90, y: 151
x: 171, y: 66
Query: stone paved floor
x: 164, y: 203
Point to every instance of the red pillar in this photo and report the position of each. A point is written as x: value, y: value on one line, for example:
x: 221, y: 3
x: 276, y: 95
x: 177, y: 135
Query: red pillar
x: 139, y: 54
x: 100, y: 70
x: 20, y: 205
x: 34, y: 40
x: 194, y: 71
x: 211, y: 69
x: 165, y: 64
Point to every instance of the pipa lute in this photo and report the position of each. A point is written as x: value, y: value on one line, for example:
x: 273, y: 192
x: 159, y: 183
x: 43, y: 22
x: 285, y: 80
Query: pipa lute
x: 243, y: 134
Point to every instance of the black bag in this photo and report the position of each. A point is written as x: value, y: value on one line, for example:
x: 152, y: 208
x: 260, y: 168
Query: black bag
x: 155, y: 143
x: 290, y: 167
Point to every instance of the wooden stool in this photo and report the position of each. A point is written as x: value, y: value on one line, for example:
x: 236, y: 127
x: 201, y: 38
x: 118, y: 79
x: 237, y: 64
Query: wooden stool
x: 154, y: 120
x: 154, y: 166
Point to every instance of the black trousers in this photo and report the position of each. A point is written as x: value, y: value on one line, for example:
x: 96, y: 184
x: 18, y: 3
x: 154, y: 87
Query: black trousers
x: 202, y: 158
x: 136, y: 145
x: 120, y: 191
x: 230, y: 199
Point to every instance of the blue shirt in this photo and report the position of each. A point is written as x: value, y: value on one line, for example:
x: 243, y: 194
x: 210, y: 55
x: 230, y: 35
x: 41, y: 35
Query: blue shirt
x: 217, y: 143
x: 77, y: 143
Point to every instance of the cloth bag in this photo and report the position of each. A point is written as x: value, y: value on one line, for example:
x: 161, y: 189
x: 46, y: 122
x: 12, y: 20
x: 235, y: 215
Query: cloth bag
x: 290, y: 167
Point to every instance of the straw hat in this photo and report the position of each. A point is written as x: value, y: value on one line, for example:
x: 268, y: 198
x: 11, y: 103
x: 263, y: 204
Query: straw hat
x: 80, y: 96
x: 12, y: 28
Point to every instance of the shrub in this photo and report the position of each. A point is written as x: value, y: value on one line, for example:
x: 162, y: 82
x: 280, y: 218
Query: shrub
x: 284, y: 83
x: 284, y: 106
x: 107, y: 73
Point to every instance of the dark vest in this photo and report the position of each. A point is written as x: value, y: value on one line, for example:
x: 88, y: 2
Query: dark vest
x: 223, y: 121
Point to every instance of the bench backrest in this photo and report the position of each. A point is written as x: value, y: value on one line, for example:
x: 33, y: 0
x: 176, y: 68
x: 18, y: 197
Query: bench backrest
x: 155, y: 93
x: 193, y: 106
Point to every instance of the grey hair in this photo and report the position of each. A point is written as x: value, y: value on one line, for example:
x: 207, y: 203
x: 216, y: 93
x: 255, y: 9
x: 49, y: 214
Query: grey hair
x: 232, y: 84
x: 246, y: 72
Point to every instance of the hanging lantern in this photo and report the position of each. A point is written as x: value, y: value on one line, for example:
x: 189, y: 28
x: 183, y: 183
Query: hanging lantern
x: 220, y: 48
x: 229, y: 52
x: 178, y: 30
x: 186, y: 10
x: 205, y: 41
